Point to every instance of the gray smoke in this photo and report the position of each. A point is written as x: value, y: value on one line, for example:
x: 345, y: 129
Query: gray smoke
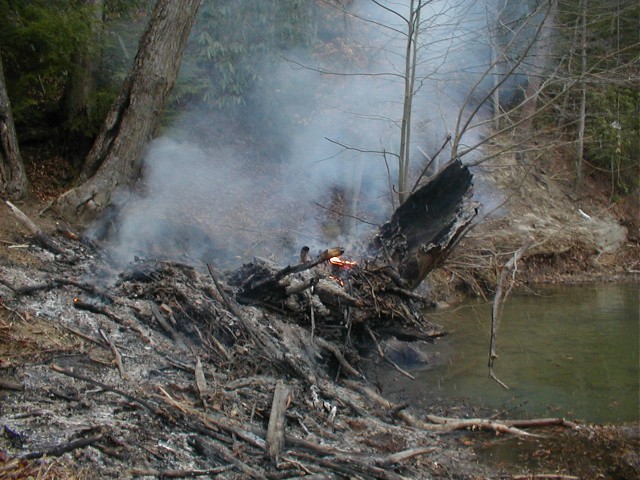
x: 217, y: 195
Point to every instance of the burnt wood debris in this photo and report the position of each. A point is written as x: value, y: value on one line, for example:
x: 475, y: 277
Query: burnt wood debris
x: 171, y: 370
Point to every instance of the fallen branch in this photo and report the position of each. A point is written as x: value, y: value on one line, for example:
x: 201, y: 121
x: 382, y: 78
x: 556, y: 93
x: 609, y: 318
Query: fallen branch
x: 321, y: 342
x: 439, y: 424
x: 141, y: 472
x: 405, y: 455
x: 201, y: 383
x: 498, y: 300
x: 139, y: 401
x: 451, y: 424
x: 288, y: 270
x: 350, y: 465
x: 544, y: 476
x: 57, y: 282
x: 117, y: 358
x: 63, y: 448
x: 7, y: 385
x: 277, y: 419
x: 384, y: 357
x: 214, y: 449
x: 42, y: 238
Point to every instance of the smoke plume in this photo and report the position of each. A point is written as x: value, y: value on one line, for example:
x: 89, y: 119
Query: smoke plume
x: 319, y: 136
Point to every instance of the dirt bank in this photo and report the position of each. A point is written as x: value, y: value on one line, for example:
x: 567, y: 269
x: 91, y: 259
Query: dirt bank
x: 576, y: 237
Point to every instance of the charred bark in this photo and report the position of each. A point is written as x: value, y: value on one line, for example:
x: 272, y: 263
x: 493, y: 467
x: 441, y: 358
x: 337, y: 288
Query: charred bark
x: 376, y: 291
x: 424, y: 229
x: 115, y: 160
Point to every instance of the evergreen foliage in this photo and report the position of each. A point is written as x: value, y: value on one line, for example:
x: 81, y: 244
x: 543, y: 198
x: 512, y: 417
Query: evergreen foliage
x: 38, y: 43
x: 612, y: 81
x: 223, y: 59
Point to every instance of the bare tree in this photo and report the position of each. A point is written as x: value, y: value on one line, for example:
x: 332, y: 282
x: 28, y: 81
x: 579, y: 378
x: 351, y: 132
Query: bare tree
x: 539, y: 62
x: 528, y: 40
x: 13, y: 178
x: 583, y: 95
x: 115, y: 161
x: 413, y: 30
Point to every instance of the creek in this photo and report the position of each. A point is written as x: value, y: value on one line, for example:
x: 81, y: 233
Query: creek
x: 569, y: 351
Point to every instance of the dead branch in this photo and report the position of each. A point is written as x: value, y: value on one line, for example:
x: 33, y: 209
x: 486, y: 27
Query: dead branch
x: 117, y: 358
x: 57, y: 282
x: 498, y: 300
x: 42, y: 238
x: 63, y: 448
x: 339, y: 356
x: 8, y: 385
x: 350, y: 465
x: 128, y: 396
x: 213, y: 448
x: 277, y: 418
x: 405, y: 455
x: 288, y: 270
x: 384, y: 357
x: 142, y: 472
x: 544, y: 476
x: 84, y: 336
x: 201, y: 382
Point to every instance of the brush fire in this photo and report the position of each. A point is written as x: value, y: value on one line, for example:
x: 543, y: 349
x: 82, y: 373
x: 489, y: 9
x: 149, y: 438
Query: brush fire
x: 205, y: 362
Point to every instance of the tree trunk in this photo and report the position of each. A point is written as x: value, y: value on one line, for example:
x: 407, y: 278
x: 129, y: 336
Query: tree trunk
x: 541, y: 57
x: 115, y: 159
x: 409, y: 82
x: 81, y: 83
x: 13, y: 178
x: 582, y: 120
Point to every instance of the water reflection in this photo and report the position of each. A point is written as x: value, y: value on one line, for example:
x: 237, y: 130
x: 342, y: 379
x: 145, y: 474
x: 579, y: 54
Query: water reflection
x: 570, y: 351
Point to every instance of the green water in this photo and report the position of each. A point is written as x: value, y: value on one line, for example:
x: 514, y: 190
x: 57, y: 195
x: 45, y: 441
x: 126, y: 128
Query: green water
x: 569, y: 352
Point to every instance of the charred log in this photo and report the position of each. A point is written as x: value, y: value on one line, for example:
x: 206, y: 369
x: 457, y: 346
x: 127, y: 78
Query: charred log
x: 425, y: 228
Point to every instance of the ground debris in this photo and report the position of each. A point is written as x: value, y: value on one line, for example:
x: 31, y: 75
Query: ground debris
x: 157, y: 371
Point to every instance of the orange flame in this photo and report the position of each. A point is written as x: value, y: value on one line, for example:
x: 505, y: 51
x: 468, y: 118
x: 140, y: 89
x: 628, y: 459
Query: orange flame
x: 342, y: 263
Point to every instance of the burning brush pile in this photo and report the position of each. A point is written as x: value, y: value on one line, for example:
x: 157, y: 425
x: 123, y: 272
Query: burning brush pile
x: 167, y: 370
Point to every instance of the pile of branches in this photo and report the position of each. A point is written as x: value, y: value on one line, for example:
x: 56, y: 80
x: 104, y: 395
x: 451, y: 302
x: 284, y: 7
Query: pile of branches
x: 185, y: 371
x: 175, y: 378
x: 334, y: 296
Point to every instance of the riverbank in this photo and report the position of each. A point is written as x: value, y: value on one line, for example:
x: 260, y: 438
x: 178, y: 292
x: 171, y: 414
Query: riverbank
x: 575, y: 237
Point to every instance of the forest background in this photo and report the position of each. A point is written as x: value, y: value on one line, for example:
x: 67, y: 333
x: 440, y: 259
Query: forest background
x: 338, y: 106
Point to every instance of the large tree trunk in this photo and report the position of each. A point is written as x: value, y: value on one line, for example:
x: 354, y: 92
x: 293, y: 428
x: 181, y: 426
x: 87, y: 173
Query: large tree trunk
x: 13, y: 178
x: 115, y: 160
